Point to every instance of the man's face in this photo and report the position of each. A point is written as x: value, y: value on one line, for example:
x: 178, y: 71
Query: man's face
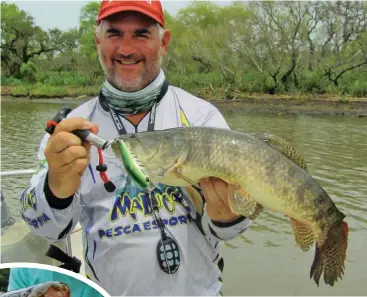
x: 130, y: 50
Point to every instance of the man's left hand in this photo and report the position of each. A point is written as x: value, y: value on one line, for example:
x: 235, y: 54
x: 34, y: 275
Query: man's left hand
x: 216, y: 197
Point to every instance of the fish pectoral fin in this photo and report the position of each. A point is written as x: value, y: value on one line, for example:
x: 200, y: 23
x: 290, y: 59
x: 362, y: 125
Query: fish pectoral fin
x: 241, y: 203
x: 173, y: 174
x: 173, y: 167
x: 178, y: 173
x: 303, y: 234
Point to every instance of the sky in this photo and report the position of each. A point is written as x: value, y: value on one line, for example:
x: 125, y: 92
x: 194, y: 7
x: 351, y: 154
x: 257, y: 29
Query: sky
x: 65, y: 14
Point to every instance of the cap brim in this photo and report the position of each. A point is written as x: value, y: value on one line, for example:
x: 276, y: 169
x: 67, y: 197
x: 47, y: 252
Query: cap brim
x: 128, y: 8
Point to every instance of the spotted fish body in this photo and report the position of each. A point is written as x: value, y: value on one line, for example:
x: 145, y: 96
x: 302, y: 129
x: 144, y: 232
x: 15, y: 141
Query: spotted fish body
x: 40, y: 290
x: 256, y: 171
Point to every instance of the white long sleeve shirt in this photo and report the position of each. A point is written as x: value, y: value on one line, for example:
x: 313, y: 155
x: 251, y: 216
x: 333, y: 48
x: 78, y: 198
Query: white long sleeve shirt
x: 120, y: 234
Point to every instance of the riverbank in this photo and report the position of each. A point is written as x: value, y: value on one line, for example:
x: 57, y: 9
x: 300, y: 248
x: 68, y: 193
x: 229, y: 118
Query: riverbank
x: 316, y: 104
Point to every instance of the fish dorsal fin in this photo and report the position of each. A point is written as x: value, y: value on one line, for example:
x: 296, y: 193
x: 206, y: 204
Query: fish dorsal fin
x: 282, y: 146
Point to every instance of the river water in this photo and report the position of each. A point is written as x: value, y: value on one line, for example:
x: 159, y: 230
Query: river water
x: 264, y: 259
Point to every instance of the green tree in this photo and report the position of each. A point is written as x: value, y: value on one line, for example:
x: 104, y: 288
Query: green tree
x: 21, y: 39
x: 222, y: 51
x: 345, y: 44
x: 89, y: 66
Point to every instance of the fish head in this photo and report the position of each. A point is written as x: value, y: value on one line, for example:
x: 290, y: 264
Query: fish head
x: 153, y: 150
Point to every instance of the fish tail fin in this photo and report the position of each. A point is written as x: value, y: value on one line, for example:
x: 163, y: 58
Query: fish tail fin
x: 330, y: 257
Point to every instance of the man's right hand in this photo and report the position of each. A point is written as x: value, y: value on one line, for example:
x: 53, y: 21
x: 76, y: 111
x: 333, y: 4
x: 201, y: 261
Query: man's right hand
x: 67, y: 157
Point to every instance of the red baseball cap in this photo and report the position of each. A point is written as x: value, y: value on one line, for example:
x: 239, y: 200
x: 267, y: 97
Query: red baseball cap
x: 151, y: 8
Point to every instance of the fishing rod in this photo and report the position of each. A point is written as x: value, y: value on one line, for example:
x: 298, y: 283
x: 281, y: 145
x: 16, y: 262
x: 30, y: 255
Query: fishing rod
x: 18, y: 172
x: 23, y: 172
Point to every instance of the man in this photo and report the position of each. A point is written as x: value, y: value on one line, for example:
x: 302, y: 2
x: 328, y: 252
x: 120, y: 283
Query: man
x: 123, y: 240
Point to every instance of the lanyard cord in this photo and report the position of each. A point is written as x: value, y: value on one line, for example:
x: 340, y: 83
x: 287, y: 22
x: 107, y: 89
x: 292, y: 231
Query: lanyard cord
x: 164, y: 241
x: 101, y: 167
x: 154, y: 205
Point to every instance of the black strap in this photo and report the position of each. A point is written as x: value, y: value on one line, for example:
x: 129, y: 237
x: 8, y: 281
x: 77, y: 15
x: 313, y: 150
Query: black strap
x: 69, y: 263
x: 120, y: 126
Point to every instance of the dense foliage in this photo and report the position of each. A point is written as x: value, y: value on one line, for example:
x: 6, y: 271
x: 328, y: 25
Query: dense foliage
x: 215, y: 51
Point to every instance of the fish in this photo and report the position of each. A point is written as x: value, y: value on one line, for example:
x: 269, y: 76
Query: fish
x: 46, y: 289
x: 263, y: 171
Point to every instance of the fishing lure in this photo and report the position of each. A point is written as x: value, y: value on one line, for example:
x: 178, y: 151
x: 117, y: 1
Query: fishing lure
x: 134, y: 168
